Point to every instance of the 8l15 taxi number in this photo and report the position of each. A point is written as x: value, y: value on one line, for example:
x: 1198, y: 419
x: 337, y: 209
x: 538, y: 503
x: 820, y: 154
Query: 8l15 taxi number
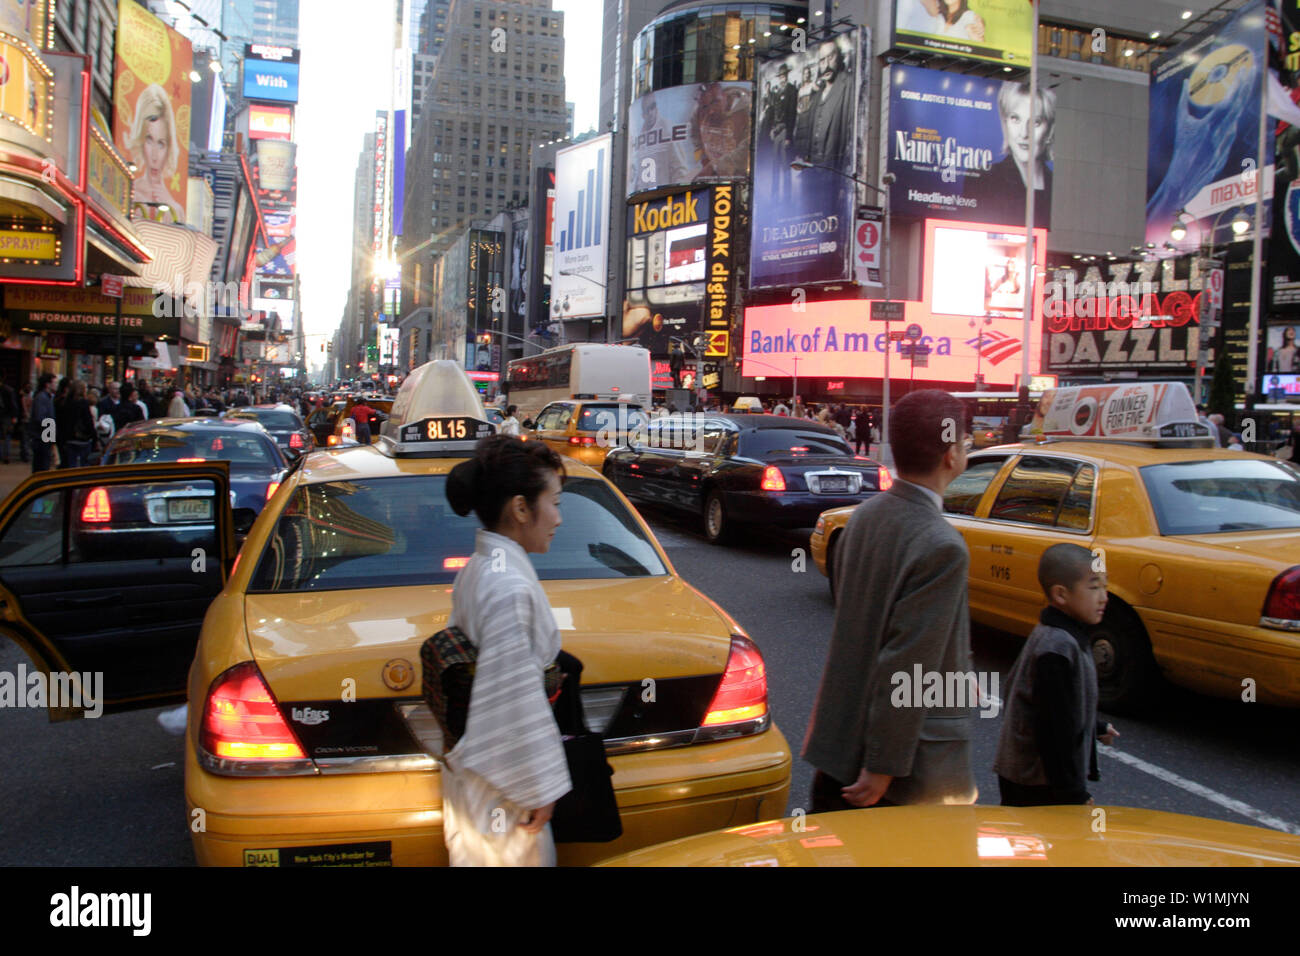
x: 445, y: 429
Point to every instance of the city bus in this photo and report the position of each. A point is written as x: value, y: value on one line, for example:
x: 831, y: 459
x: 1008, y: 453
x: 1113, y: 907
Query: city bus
x: 579, y: 370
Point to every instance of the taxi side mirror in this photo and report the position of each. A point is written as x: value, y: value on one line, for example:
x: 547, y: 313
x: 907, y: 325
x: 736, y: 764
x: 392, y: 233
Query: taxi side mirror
x: 528, y: 423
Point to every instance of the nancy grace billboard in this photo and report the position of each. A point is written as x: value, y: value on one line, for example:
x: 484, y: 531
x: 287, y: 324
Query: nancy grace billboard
x: 959, y: 147
x: 809, y: 104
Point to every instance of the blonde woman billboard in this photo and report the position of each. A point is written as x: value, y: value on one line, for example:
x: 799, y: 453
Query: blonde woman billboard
x: 151, y: 111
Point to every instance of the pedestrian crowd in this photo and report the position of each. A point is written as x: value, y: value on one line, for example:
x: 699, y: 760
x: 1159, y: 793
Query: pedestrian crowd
x: 67, y: 423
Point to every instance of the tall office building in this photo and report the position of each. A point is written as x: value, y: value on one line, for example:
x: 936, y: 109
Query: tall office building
x: 497, y: 90
x: 272, y: 22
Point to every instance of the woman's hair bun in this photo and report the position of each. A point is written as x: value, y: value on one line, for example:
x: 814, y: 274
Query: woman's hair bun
x: 462, y: 483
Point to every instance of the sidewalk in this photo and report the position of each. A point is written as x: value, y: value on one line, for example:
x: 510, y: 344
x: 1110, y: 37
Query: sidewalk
x: 11, y: 475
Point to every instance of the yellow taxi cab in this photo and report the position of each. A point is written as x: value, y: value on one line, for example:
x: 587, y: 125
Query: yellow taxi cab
x: 585, y: 429
x: 307, y: 739
x: 979, y: 836
x: 1199, y: 543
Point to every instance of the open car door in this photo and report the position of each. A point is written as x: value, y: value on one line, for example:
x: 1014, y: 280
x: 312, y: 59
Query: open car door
x: 106, y: 574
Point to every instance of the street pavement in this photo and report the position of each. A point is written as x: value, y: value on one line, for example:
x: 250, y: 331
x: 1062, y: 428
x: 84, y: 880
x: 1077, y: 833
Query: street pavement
x: 110, y: 791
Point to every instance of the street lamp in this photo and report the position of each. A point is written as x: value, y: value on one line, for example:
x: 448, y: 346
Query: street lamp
x: 886, y: 455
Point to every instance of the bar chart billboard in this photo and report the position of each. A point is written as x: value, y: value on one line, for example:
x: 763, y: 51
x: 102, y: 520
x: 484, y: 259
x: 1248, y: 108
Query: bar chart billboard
x: 580, y: 229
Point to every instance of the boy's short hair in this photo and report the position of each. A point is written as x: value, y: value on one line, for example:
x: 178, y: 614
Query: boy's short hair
x: 1065, y: 564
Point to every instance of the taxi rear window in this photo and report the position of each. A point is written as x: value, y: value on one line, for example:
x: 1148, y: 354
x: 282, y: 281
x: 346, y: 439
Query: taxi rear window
x: 1204, y: 497
x: 158, y: 447
x: 610, y: 418
x: 790, y: 443
x: 391, y: 532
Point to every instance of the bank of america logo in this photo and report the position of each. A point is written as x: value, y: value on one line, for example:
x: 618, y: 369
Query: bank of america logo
x: 995, y: 346
x: 583, y: 225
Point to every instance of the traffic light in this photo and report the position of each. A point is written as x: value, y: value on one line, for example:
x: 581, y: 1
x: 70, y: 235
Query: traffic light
x: 485, y: 338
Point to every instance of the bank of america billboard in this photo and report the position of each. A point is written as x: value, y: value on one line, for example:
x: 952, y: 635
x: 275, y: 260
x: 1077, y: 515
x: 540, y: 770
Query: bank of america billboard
x: 803, y: 219
x: 580, y: 230
x: 958, y: 147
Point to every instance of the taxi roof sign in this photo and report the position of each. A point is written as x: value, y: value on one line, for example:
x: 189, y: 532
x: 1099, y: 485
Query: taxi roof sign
x: 1156, y: 412
x: 437, y: 412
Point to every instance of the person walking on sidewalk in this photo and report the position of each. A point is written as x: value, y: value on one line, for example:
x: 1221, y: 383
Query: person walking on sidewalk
x: 78, y: 423
x: 25, y: 416
x: 41, y: 425
x: 9, y: 411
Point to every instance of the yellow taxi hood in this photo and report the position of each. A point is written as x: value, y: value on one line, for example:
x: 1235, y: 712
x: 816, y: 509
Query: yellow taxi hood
x: 979, y: 836
x: 307, y: 643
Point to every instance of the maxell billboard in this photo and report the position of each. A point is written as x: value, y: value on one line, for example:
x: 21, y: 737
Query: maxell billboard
x: 1202, y: 142
x: 580, y: 238
x: 803, y: 220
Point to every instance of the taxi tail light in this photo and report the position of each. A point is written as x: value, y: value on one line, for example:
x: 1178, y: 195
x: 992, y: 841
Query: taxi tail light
x: 97, y: 510
x: 332, y: 440
x: 773, y: 480
x: 885, y: 478
x: 295, y: 440
x: 742, y: 695
x: 242, y: 721
x: 1283, y: 601
x: 581, y: 440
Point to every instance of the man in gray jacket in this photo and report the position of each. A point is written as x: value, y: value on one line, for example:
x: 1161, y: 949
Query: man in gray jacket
x: 901, y: 609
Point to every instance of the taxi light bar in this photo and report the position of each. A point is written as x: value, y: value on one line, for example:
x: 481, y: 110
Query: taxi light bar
x: 241, y: 720
x: 1283, y: 601
x: 97, y: 509
x: 742, y: 695
x: 773, y: 480
x: 886, y: 479
x: 451, y: 564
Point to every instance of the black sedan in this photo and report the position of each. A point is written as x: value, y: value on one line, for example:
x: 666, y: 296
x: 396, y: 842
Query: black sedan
x: 149, y: 520
x: 284, y: 424
x: 743, y: 469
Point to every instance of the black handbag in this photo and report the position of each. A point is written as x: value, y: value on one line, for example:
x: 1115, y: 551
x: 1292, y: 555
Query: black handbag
x: 588, y: 813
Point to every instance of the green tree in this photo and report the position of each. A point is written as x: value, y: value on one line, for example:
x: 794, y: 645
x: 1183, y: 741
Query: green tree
x: 1223, y: 389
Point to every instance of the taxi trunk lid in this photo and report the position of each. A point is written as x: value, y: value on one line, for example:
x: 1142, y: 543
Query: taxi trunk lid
x: 344, y: 669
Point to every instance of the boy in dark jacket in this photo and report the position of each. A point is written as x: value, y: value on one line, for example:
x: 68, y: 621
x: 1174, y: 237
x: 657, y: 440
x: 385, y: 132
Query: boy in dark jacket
x: 1050, y: 728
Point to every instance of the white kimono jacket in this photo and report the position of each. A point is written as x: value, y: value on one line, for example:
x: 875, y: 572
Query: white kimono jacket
x: 511, y: 758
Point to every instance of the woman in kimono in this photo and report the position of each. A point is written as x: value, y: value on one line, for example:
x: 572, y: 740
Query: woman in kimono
x: 502, y: 779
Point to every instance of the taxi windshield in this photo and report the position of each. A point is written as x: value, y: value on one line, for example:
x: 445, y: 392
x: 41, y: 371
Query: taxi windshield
x: 392, y: 532
x: 1204, y: 497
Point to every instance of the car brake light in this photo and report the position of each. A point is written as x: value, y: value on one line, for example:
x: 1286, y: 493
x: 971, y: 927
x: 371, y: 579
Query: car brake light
x: 451, y: 564
x: 886, y: 479
x: 241, y: 720
x: 581, y: 440
x: 332, y: 440
x: 773, y: 480
x: 295, y: 440
x: 270, y: 489
x: 218, y: 444
x: 742, y: 695
x: 189, y: 461
x: 1283, y: 601
x: 97, y: 509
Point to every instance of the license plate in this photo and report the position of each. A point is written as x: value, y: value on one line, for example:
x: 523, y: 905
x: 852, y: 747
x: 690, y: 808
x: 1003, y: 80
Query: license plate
x: 832, y: 486
x: 189, y: 509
